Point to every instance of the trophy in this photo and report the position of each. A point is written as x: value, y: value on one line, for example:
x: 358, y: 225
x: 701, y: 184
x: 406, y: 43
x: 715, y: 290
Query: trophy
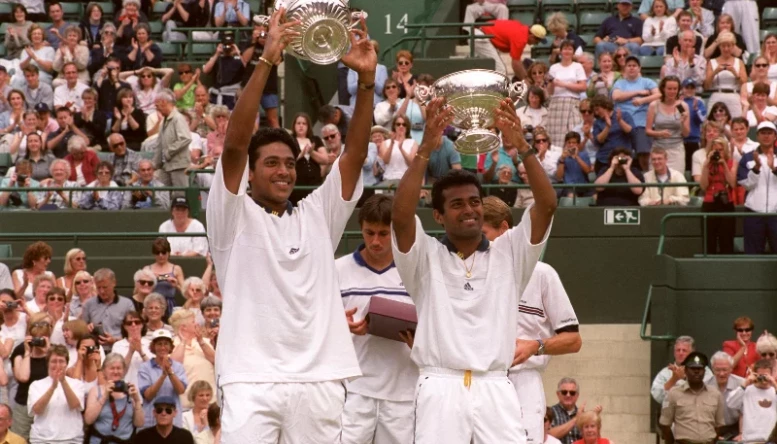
x: 474, y: 94
x: 325, y: 28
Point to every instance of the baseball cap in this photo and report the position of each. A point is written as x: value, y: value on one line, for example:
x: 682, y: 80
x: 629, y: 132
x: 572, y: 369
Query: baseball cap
x: 625, y: 1
x: 696, y: 360
x: 42, y: 108
x: 766, y: 125
x: 539, y: 32
x: 179, y: 202
x: 633, y: 57
x: 164, y: 400
x: 161, y: 334
x: 689, y: 82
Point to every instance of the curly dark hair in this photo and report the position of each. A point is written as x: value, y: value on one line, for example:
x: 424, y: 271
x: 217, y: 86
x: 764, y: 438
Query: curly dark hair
x: 454, y: 178
x: 266, y: 136
x: 36, y: 251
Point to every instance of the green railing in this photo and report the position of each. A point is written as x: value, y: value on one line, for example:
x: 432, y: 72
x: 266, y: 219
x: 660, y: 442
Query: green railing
x: 423, y: 38
x: 662, y: 242
x: 704, y: 217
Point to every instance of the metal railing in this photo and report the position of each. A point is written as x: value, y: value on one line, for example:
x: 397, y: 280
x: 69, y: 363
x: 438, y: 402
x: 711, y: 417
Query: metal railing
x: 704, y: 217
x: 423, y: 38
x: 645, y: 319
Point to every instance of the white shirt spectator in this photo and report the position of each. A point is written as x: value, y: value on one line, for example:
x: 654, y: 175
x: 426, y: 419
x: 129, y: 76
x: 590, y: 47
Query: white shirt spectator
x: 180, y: 245
x: 748, y: 146
x: 533, y: 116
x: 550, y: 161
x: 671, y: 195
x: 753, y: 122
x: 58, y: 422
x: 759, y: 412
x: 63, y: 95
x: 662, y: 34
x: 5, y: 277
x: 572, y: 73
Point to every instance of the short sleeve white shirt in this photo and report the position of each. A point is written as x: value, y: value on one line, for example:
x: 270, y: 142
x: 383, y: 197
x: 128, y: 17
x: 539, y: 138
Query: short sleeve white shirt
x: 58, y: 422
x: 572, y: 73
x: 180, y: 245
x: 543, y: 309
x: 467, y: 323
x: 753, y: 122
x: 759, y: 413
x: 387, y: 371
x: 280, y: 286
x: 122, y: 347
x: 63, y: 95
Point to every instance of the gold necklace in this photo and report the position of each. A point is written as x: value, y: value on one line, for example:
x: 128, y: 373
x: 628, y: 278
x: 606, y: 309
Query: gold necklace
x: 468, y: 270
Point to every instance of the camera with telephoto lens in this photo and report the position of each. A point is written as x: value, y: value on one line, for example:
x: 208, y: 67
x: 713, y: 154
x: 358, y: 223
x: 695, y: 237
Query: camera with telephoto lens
x: 214, y: 323
x: 120, y: 386
x: 623, y: 160
x: 91, y: 349
x: 38, y: 342
x: 227, y: 39
x: 13, y: 305
x: 760, y: 378
x: 715, y: 156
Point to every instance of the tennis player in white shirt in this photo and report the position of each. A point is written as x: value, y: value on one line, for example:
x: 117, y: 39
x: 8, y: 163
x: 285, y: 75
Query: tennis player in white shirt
x: 466, y: 292
x: 379, y: 406
x: 545, y: 316
x: 284, y: 348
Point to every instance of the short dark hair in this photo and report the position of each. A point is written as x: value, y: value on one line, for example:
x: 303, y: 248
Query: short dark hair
x: 88, y: 337
x: 326, y: 113
x: 105, y: 164
x: 8, y: 292
x: 539, y: 92
x: 762, y: 363
x: 619, y: 151
x: 57, y: 291
x: 53, y: 3
x: 63, y: 109
x: 266, y: 136
x: 160, y: 245
x: 761, y: 88
x: 376, y: 210
x: 454, y: 178
x: 602, y: 101
x: 741, y: 121
x: 572, y: 135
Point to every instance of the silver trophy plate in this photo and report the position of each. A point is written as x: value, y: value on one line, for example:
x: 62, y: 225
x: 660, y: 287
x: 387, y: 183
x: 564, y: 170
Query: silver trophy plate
x: 474, y: 94
x: 324, y: 28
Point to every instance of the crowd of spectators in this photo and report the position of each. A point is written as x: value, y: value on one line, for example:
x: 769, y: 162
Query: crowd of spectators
x: 731, y: 396
x: 83, y: 363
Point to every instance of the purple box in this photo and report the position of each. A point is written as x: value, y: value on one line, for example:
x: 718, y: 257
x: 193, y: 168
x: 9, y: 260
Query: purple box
x: 387, y: 317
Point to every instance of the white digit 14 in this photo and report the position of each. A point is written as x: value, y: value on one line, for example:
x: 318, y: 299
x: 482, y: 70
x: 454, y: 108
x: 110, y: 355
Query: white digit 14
x: 400, y: 24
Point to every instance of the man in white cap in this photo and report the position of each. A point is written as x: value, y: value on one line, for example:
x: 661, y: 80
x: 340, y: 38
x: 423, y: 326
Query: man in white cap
x: 756, y: 173
x: 510, y: 36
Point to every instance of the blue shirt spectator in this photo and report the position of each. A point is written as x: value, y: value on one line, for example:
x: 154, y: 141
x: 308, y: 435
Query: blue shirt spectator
x: 368, y: 178
x: 504, y: 160
x: 442, y: 160
x: 231, y: 18
x: 698, y: 111
x: 616, y: 137
x: 148, y: 374
x: 381, y: 74
x: 638, y: 113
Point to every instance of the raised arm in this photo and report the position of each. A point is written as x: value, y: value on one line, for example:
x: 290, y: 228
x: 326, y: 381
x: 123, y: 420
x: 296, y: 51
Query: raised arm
x: 363, y: 59
x: 235, y: 155
x: 406, y: 198
x: 544, y: 195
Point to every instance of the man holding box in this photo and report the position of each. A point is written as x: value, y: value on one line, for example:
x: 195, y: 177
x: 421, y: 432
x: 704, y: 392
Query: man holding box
x: 467, y: 290
x: 378, y: 406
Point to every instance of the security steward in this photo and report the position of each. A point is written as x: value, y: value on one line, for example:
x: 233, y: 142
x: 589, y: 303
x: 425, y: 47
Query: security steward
x: 695, y: 409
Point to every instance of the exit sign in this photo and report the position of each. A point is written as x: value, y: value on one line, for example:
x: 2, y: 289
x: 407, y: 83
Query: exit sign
x: 621, y: 216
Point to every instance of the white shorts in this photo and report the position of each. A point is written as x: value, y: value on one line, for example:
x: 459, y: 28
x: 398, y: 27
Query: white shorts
x: 447, y: 411
x: 531, y: 396
x: 369, y: 420
x: 281, y: 413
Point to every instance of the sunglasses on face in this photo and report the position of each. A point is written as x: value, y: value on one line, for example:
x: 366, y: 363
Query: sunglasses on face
x: 402, y: 124
x: 146, y: 76
x: 157, y: 253
x: 80, y: 258
x: 41, y: 324
x: 85, y: 281
x: 184, y: 72
x: 391, y: 87
x: 761, y: 65
x: 403, y: 63
x: 57, y: 299
x: 330, y: 137
x: 744, y: 330
x: 586, y: 111
x: 568, y: 392
x: 168, y: 410
x: 620, y: 56
x: 146, y: 283
x: 541, y: 140
x: 133, y: 322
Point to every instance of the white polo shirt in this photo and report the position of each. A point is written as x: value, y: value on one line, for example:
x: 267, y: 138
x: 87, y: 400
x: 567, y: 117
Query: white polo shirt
x: 282, y: 319
x: 387, y: 371
x: 58, y: 422
x: 467, y: 323
x: 543, y: 311
x: 63, y: 95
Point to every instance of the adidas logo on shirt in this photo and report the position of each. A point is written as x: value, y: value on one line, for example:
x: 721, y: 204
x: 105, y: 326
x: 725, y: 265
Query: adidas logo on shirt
x: 468, y: 287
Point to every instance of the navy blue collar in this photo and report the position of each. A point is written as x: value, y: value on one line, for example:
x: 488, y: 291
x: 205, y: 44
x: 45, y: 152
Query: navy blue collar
x: 482, y: 247
x: 289, y: 209
x: 357, y: 256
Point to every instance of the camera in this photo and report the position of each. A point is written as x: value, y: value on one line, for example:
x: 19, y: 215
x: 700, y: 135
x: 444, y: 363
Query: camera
x: 21, y: 178
x: 623, y: 160
x: 227, y: 39
x: 98, y: 330
x: 120, y: 386
x: 760, y: 378
x: 11, y: 305
x: 721, y: 198
x: 38, y: 342
x: 715, y: 156
x: 214, y: 323
x: 262, y: 34
x: 91, y: 349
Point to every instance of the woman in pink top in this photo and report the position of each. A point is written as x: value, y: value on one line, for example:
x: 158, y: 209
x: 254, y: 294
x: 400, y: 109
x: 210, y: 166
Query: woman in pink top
x: 742, y: 349
x: 590, y: 425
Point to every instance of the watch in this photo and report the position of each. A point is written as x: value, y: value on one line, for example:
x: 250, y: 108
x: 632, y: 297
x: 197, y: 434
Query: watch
x: 527, y: 153
x: 366, y: 87
x: 541, y: 349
